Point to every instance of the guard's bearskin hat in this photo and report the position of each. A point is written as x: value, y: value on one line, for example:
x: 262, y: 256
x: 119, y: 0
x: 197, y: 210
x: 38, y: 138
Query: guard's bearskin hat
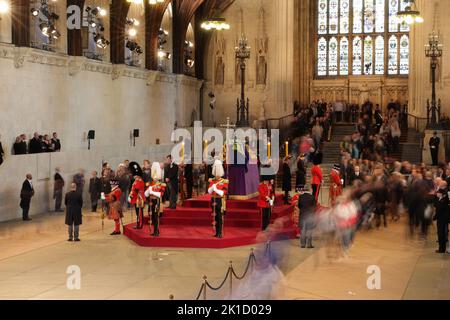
x: 135, y: 169
x: 318, y: 158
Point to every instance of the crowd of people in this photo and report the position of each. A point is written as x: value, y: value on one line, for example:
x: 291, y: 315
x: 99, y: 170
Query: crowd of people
x: 368, y: 188
x: 38, y: 144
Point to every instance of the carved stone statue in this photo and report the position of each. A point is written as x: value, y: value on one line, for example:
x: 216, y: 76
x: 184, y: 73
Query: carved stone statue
x: 261, y: 71
x: 262, y: 49
x: 219, y: 72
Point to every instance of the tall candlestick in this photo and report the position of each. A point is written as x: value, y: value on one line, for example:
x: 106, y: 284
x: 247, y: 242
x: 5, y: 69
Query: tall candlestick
x: 287, y: 149
x: 268, y: 149
x: 182, y: 151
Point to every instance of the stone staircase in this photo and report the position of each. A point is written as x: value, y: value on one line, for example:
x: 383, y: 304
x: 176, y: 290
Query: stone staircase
x: 410, y: 146
x: 332, y: 149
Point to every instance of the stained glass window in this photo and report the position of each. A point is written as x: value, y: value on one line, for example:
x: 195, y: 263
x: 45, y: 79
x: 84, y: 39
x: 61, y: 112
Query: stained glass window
x: 345, y: 16
x: 322, y: 57
x: 323, y: 16
x: 379, y: 55
x: 334, y: 16
x: 369, y: 16
x: 361, y: 37
x: 393, y: 55
x: 357, y: 55
x: 379, y: 15
x: 357, y: 16
x: 404, y: 27
x: 343, y: 52
x: 333, y: 57
x: 393, y: 9
x: 368, y: 55
x: 404, y: 55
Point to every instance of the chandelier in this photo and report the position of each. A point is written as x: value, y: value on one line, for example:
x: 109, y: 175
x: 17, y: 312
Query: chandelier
x: 410, y: 14
x: 215, y: 24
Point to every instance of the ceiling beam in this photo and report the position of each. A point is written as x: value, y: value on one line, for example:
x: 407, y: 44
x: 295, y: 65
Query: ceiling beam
x: 74, y: 38
x: 118, y: 14
x: 20, y: 22
x: 154, y: 15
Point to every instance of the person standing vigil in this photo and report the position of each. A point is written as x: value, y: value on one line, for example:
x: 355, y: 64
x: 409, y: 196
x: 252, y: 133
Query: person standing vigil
x: 26, y: 194
x: 434, y: 148
x: 171, y: 176
x: 58, y: 190
x: 74, y: 217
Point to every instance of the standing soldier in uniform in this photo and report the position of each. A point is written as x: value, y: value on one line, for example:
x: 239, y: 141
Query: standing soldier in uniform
x: 137, y: 196
x: 266, y: 200
x: 155, y: 193
x: 115, y: 206
x: 218, y: 188
x: 336, y: 184
x: 434, y: 147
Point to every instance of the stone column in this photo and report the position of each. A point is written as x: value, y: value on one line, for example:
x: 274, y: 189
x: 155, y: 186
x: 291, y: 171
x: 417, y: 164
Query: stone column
x: 304, y: 50
x: 284, y: 56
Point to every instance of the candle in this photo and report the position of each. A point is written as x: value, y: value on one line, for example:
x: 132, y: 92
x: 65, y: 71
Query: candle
x: 268, y: 149
x: 287, y: 149
x: 182, y: 151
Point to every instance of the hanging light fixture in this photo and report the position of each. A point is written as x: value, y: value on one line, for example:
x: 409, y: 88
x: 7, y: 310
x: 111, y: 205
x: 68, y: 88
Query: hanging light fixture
x: 410, y: 14
x: 215, y: 24
x: 4, y: 6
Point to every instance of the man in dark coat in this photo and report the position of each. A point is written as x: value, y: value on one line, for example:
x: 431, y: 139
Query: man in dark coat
x: 189, y: 177
x: 287, y: 180
x: 35, y: 144
x: 171, y: 176
x: 26, y: 194
x: 442, y: 215
x: 95, y: 189
x: 307, y: 206
x: 56, y: 143
x: 74, y: 217
x: 434, y: 148
x: 58, y: 190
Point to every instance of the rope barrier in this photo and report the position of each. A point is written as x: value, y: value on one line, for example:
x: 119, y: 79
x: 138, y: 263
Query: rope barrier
x: 230, y: 274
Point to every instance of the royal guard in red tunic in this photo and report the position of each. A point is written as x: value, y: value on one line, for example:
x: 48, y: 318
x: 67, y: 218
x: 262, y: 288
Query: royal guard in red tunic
x: 218, y: 189
x: 155, y: 193
x: 316, y: 175
x: 335, y: 184
x: 266, y: 199
x: 137, y: 194
x: 115, y: 207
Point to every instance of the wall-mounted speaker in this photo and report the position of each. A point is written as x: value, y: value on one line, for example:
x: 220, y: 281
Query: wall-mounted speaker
x: 136, y: 133
x: 91, y: 135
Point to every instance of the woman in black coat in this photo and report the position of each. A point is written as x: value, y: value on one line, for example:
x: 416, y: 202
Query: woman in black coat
x: 287, y: 180
x: 74, y: 218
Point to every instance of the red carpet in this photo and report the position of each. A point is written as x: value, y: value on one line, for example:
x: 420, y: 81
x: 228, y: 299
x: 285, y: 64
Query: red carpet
x: 190, y: 226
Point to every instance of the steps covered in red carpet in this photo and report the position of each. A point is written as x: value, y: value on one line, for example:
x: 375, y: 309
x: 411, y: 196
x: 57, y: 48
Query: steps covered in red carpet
x: 190, y: 226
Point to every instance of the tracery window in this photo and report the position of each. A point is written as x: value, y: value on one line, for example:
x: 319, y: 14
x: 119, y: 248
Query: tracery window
x: 361, y: 37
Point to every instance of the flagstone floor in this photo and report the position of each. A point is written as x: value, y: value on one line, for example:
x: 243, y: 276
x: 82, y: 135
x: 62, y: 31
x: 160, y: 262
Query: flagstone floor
x: 35, y: 256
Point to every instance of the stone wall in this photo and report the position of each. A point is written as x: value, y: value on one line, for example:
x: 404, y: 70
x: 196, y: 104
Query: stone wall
x: 45, y: 92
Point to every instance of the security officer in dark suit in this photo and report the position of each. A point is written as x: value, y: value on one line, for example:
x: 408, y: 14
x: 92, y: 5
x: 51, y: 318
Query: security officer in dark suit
x: 307, y: 206
x: 74, y: 217
x: 434, y: 148
x: 26, y: 193
x: 442, y: 217
x: 171, y: 177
